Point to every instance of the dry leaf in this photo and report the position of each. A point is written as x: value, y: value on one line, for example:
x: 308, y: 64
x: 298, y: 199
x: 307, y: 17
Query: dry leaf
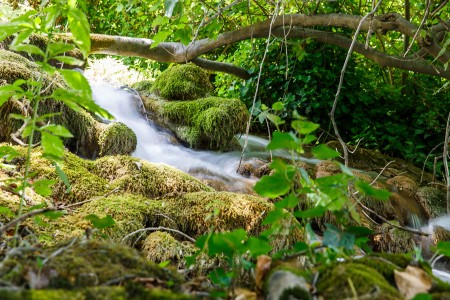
x: 263, y: 264
x: 244, y: 294
x: 412, y: 281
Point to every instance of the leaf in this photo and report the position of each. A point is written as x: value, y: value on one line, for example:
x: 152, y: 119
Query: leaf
x: 43, y: 187
x: 161, y: 36
x: 63, y: 177
x: 8, y: 153
x: 366, y: 189
x: 277, y: 120
x: 275, y: 216
x: 100, y: 223
x: 29, y: 49
x: 220, y: 277
x: 282, y: 140
x: 57, y: 130
x: 315, y: 212
x: 56, y: 48
x: 52, y: 145
x: 53, y: 214
x: 257, y: 246
x: 79, y: 27
x: 6, y: 211
x: 444, y: 248
x: 164, y: 264
x: 69, y: 60
x: 7, y: 91
x: 304, y: 127
x: 277, y: 105
x: 336, y: 238
x: 323, y: 152
x: 76, y: 80
x: 290, y: 201
x: 273, y: 185
x: 412, y: 281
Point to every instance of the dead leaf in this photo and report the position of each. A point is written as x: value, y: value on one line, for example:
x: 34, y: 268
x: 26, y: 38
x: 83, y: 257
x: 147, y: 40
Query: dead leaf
x: 412, y: 281
x: 244, y: 294
x: 263, y: 264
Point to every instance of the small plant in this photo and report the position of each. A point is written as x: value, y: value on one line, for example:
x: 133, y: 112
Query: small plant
x: 44, y: 85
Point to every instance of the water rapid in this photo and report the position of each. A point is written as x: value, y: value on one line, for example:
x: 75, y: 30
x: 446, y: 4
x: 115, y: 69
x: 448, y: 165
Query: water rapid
x: 156, y: 145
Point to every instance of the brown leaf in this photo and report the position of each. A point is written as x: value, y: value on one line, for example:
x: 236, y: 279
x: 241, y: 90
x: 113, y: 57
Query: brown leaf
x: 263, y: 264
x: 412, y: 281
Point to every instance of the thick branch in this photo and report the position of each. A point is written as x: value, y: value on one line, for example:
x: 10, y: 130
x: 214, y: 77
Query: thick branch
x: 172, y: 52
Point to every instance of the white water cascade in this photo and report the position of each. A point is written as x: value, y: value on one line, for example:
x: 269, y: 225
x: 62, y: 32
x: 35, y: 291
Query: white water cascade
x: 155, y: 145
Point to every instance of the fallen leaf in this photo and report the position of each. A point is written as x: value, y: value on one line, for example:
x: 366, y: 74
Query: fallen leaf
x: 263, y: 264
x: 412, y: 281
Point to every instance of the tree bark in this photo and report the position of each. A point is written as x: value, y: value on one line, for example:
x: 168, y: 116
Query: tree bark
x: 290, y: 26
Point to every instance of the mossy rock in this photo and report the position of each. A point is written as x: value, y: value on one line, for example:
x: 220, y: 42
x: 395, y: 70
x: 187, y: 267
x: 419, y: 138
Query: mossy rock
x: 334, y: 282
x: 144, y: 86
x: 183, y: 82
x: 87, y: 131
x: 433, y: 201
x: 207, y: 123
x: 130, y: 291
x: 81, y: 264
x: 162, y: 246
x: 117, y: 138
x: 139, y: 177
x: 393, y: 240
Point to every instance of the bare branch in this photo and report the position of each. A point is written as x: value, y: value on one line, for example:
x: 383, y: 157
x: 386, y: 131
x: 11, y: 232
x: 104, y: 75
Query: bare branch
x: 23, y: 217
x: 157, y: 229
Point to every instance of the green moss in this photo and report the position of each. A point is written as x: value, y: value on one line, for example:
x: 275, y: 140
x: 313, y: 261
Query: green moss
x: 207, y: 123
x: 393, y: 240
x: 334, y: 282
x: 117, y: 138
x: 433, y: 201
x: 386, y: 263
x: 83, y: 264
x: 128, y: 211
x: 161, y: 246
x: 144, y: 86
x: 183, y: 82
x: 140, y: 177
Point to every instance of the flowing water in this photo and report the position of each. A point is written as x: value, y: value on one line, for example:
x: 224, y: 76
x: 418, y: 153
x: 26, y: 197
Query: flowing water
x: 156, y: 145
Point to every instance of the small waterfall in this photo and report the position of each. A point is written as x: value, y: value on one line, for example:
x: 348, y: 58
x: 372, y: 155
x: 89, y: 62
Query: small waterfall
x: 156, y: 146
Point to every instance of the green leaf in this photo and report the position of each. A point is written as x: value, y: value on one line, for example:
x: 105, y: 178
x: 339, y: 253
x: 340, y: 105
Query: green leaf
x: 277, y: 105
x: 100, y: 223
x: 336, y: 238
x: 282, y: 140
x: 69, y: 60
x: 323, y: 152
x: 301, y: 246
x: 57, y: 130
x: 257, y: 246
x: 63, y: 177
x: 443, y: 248
x: 79, y: 27
x: 359, y: 231
x: 29, y: 49
x: 53, y: 214
x: 275, y: 216
x: 315, y: 212
x: 422, y: 296
x: 164, y: 264
x: 290, y: 201
x: 76, y: 80
x: 161, y: 36
x: 6, y: 211
x: 220, y: 277
x: 304, y: 127
x: 43, y: 187
x: 8, y: 153
x: 273, y: 185
x: 277, y: 120
x: 7, y: 91
x: 56, y: 48
x: 52, y: 145
x: 366, y: 189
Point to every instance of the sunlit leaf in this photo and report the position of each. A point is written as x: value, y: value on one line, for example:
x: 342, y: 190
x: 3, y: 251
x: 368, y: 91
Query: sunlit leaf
x: 43, y: 187
x: 273, y: 185
x: 100, y: 223
x: 79, y: 27
x: 304, y: 127
x: 323, y: 152
x: 52, y: 145
x: 57, y: 130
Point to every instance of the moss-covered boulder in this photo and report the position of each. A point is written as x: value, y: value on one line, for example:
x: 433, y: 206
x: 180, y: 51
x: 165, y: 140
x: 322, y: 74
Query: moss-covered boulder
x: 207, y: 123
x: 116, y: 138
x: 80, y: 264
x: 162, y: 246
x: 91, y: 137
x: 183, y: 82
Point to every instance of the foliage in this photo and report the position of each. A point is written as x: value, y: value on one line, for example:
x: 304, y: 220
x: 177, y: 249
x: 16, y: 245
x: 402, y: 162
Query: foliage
x: 31, y: 92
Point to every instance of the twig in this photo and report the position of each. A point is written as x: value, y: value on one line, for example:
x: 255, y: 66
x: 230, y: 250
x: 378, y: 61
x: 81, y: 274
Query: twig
x: 425, y: 162
x: 119, y: 279
x: 411, y: 230
x: 381, y: 172
x: 425, y: 16
x: 156, y: 229
x: 59, y: 251
x: 444, y: 157
x: 341, y: 80
x: 247, y: 130
x: 24, y: 217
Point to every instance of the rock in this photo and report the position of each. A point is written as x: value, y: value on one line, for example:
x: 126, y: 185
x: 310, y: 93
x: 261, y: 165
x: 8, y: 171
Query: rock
x: 327, y: 168
x: 403, y: 183
x: 283, y: 284
x: 183, y: 82
x: 162, y: 246
x: 116, y: 138
x: 207, y: 123
x: 87, y: 131
x: 393, y: 240
x: 433, y: 201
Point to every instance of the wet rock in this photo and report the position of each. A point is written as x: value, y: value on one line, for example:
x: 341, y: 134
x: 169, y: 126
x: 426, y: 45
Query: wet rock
x: 327, y: 168
x: 403, y: 183
x: 433, y: 201
x: 393, y: 240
